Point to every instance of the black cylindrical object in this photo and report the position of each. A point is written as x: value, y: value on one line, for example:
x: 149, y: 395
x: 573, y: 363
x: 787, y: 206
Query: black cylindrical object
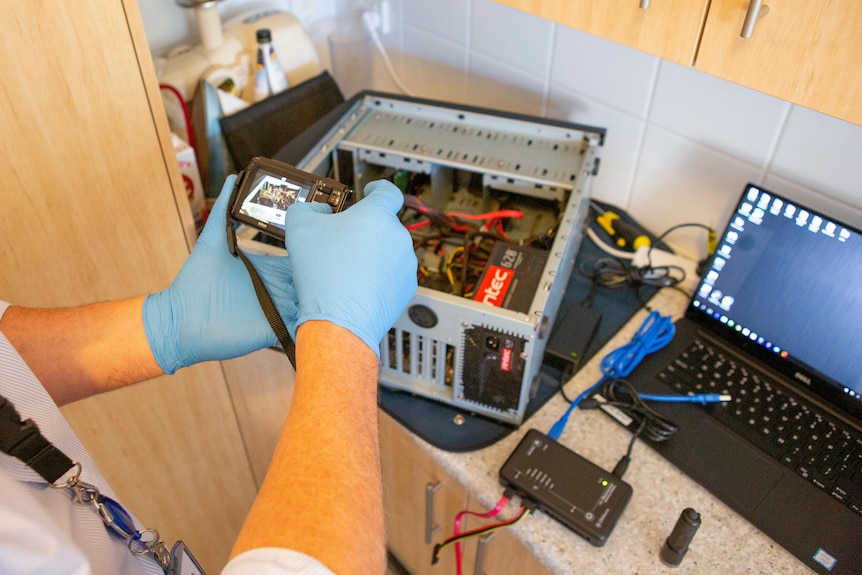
x: 676, y: 545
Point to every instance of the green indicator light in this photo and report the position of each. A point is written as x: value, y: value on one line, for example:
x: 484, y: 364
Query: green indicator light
x: 604, y: 482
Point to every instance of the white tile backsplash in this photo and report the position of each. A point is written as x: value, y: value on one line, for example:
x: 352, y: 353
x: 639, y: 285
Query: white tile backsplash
x: 434, y: 67
x: 611, y: 73
x: 494, y: 84
x: 717, y: 114
x: 622, y: 141
x: 509, y: 36
x: 822, y: 153
x: 449, y: 19
x: 680, y: 144
x: 678, y: 181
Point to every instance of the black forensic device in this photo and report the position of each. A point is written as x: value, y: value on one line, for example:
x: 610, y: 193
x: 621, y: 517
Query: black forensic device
x: 576, y: 492
x: 266, y: 188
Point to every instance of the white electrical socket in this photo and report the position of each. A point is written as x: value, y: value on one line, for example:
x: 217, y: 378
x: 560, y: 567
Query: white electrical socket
x: 377, y: 18
x: 385, y: 17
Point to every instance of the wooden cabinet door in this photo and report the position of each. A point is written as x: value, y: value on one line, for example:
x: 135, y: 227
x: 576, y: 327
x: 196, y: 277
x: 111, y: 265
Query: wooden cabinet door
x: 408, y: 474
x: 89, y: 208
x: 809, y: 53
x: 500, y: 553
x: 90, y: 191
x: 669, y: 29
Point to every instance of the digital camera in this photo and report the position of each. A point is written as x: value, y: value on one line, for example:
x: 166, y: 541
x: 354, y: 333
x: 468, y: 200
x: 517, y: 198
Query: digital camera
x: 266, y: 188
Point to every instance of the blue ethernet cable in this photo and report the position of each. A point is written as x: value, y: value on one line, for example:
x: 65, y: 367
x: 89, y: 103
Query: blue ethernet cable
x: 654, y: 333
x: 695, y: 398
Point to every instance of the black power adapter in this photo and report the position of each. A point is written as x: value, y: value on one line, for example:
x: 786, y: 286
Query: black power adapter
x: 574, y: 491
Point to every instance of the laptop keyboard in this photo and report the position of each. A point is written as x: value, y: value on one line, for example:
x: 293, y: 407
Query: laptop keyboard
x: 820, y: 448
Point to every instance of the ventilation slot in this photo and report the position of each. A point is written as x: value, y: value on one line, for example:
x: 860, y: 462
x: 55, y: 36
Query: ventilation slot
x: 409, y: 354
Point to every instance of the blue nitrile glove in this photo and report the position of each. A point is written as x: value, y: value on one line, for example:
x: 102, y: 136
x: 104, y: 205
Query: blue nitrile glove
x: 355, y: 268
x: 211, y: 311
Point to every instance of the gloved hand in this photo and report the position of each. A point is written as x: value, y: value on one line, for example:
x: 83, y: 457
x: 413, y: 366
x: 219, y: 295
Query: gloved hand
x: 210, y: 311
x: 355, y: 268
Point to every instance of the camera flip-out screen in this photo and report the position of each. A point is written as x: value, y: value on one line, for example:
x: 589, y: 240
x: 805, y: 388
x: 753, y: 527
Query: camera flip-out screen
x: 268, y: 187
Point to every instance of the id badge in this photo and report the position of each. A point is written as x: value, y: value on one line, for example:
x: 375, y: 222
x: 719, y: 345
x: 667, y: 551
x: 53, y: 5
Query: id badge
x: 183, y: 562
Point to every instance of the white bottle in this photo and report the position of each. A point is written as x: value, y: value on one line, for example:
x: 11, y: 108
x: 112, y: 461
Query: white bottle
x: 269, y: 77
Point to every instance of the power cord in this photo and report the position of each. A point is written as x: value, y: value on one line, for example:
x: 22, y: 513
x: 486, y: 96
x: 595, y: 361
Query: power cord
x: 711, y: 242
x: 635, y: 269
x: 622, y: 395
x: 615, y: 273
x: 373, y: 22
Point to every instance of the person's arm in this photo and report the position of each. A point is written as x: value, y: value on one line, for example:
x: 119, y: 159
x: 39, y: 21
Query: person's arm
x: 347, y: 279
x: 209, y: 312
x: 322, y: 493
x: 81, y: 351
x: 354, y: 273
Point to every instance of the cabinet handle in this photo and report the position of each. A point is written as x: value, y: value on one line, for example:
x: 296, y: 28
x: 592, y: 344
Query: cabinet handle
x: 644, y: 4
x: 480, y: 553
x: 430, y: 529
x: 756, y: 10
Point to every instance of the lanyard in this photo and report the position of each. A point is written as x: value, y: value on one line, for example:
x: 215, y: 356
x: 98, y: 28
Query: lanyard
x: 24, y: 441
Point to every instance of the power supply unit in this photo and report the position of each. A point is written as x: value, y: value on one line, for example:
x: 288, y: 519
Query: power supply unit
x: 496, y: 204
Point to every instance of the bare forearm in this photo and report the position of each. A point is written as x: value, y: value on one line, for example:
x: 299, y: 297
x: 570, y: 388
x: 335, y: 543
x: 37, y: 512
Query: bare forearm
x: 81, y: 351
x: 322, y: 494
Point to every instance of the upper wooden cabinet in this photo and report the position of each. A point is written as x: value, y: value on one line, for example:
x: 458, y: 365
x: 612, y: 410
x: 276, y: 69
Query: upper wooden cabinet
x: 808, y: 53
x: 667, y: 28
x: 804, y: 52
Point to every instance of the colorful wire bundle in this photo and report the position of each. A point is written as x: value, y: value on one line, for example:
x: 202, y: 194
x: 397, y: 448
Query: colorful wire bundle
x: 458, y: 536
x: 454, y: 245
x: 493, y: 220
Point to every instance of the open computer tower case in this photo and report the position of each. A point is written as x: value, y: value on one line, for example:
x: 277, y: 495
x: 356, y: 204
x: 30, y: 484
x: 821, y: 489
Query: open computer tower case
x: 460, y: 341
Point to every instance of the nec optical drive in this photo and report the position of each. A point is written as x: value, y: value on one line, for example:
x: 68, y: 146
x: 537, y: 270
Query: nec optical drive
x: 496, y: 204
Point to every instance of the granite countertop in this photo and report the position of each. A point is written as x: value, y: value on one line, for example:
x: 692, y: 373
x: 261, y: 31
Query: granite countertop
x: 725, y: 542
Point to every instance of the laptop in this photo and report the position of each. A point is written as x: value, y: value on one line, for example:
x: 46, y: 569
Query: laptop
x: 776, y: 322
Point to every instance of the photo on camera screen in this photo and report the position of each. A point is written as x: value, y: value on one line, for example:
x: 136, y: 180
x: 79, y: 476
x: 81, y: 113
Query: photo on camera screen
x: 270, y: 197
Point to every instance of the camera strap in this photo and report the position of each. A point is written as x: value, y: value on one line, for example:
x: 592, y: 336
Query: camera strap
x: 263, y: 297
x: 23, y: 440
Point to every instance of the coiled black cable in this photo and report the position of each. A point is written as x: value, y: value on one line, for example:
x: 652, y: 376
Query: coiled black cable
x: 621, y: 394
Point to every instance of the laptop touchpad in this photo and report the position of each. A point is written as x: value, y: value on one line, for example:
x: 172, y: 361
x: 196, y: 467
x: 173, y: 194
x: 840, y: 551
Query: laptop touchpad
x: 726, y: 464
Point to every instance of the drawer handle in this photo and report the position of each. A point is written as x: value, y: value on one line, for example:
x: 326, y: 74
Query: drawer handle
x: 756, y: 10
x: 430, y: 529
x: 480, y: 553
x: 644, y: 4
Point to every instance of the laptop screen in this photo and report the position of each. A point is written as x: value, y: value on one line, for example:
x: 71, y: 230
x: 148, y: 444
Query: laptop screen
x: 785, y: 283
